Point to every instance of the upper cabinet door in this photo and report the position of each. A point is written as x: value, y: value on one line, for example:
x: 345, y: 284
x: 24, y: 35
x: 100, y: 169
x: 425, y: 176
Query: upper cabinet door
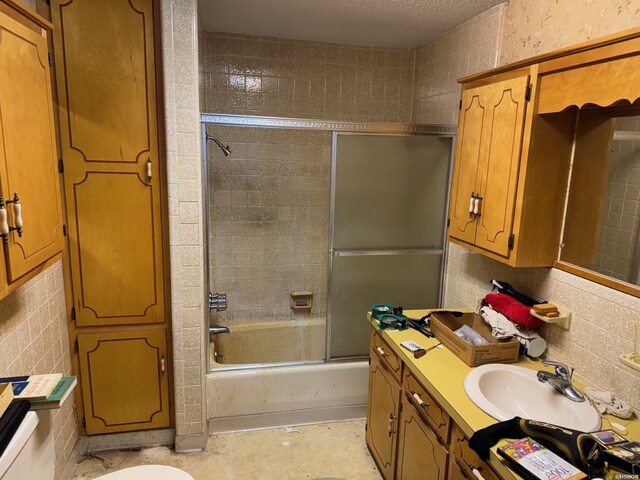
x: 28, y: 165
x: 499, y: 162
x: 107, y: 94
x: 465, y: 171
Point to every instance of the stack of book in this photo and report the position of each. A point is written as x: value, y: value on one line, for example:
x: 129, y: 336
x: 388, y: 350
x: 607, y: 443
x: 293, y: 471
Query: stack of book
x: 43, y: 391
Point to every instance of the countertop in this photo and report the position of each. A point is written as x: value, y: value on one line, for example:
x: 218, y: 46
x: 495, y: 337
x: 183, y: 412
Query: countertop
x: 442, y: 374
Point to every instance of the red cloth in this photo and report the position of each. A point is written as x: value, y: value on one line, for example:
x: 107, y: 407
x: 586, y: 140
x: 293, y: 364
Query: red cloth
x: 513, y: 310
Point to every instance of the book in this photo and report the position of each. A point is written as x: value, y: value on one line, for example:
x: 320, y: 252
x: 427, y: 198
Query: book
x: 34, y: 387
x: 608, y: 438
x: 58, y: 396
x: 6, y: 397
x: 623, y: 458
x: 535, y: 462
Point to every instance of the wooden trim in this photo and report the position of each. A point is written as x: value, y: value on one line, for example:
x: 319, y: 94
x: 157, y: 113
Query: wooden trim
x: 609, y: 282
x: 563, y: 52
x: 29, y: 13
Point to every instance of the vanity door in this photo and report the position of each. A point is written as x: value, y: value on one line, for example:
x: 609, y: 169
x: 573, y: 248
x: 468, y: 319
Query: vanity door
x: 382, y: 417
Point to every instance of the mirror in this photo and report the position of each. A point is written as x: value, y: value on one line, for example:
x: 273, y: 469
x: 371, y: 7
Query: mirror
x: 602, y: 212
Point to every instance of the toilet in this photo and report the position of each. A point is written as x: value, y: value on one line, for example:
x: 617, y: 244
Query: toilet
x: 30, y: 455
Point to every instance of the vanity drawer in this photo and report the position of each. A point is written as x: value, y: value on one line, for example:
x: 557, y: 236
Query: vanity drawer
x: 389, y: 359
x: 464, y: 459
x: 433, y: 414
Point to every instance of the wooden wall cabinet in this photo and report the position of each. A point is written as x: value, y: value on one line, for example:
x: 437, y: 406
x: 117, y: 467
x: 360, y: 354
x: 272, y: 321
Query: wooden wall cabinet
x: 515, y: 137
x: 28, y: 157
x: 410, y: 436
x: 510, y: 171
x: 107, y: 74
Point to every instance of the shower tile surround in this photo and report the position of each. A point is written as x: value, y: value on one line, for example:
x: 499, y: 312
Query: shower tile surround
x: 288, y: 78
x: 269, y: 216
x: 603, y: 318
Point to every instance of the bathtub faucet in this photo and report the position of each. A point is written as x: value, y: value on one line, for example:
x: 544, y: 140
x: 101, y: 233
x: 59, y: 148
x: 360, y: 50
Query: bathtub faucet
x: 218, y: 329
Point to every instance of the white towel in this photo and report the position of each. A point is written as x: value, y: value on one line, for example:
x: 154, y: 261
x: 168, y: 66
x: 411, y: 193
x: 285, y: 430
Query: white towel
x: 607, y: 402
x: 503, y: 328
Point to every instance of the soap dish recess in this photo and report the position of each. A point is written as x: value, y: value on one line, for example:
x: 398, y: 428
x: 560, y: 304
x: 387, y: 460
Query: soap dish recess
x: 564, y: 320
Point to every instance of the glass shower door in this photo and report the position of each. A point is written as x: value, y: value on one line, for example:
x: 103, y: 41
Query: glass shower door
x: 389, y: 206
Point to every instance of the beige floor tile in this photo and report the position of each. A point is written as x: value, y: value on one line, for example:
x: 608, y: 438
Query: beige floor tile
x: 326, y: 451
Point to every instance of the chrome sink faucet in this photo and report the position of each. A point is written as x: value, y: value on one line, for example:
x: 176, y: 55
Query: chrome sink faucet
x: 561, y: 380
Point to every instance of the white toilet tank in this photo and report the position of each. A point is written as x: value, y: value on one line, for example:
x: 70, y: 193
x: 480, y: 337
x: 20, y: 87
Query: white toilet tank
x: 30, y: 454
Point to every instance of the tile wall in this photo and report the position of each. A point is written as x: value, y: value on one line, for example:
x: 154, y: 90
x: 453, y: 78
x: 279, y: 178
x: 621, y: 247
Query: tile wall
x: 269, y: 212
x: 603, y: 319
x: 470, y: 47
x: 618, y: 247
x: 288, y: 78
x: 34, y: 339
x: 180, y: 62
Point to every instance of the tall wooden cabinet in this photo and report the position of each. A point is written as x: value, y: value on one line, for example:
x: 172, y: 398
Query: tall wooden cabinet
x: 30, y: 210
x: 107, y: 73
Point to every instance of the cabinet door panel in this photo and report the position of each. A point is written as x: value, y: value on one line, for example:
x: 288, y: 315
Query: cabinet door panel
x: 124, y: 380
x: 420, y: 455
x: 464, y: 182
x: 499, y: 162
x: 382, y: 417
x: 108, y: 50
x: 28, y: 164
x: 118, y: 248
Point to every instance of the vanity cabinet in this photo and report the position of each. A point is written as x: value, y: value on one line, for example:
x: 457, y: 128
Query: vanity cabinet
x: 409, y: 434
x: 30, y: 209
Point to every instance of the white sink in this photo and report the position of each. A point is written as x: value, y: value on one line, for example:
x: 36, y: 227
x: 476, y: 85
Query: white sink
x: 506, y: 391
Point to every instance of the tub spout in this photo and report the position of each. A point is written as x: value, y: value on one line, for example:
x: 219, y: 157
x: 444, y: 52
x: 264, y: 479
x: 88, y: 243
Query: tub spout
x: 218, y: 329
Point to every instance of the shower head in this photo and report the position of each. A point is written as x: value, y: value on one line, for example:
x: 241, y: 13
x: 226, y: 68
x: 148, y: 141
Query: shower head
x: 226, y: 150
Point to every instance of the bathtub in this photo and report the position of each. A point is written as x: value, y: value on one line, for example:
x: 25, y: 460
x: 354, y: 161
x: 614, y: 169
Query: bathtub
x: 270, y: 342
x: 242, y: 395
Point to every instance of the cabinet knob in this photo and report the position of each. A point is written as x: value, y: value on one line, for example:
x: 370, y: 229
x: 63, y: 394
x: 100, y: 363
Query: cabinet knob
x: 163, y: 367
x: 382, y: 352
x: 418, y: 399
x: 149, y: 170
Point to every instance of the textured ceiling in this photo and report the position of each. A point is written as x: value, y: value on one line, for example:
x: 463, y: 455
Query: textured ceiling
x: 389, y: 23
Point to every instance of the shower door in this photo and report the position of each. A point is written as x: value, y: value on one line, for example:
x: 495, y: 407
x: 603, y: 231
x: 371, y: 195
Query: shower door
x: 387, y: 242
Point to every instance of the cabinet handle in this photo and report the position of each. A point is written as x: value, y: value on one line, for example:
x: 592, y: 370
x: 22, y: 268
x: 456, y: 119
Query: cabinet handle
x: 421, y: 402
x: 149, y: 172
x: 476, y: 473
x: 476, y: 206
x: 17, y: 217
x: 471, y: 204
x: 392, y: 419
x: 382, y: 352
x: 4, y: 225
x: 162, y: 365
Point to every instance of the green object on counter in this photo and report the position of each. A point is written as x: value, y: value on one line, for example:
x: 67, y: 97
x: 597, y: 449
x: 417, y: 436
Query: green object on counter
x: 392, y: 322
x: 381, y: 309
